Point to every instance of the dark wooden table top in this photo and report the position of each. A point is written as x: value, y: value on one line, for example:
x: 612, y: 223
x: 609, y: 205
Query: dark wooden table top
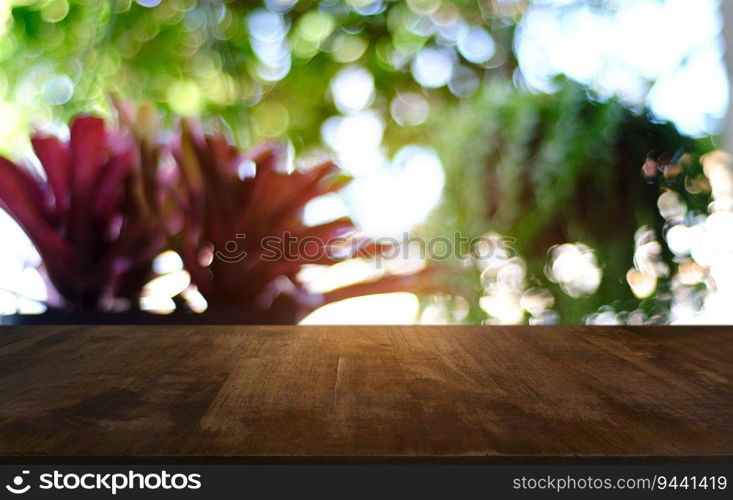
x: 385, y: 391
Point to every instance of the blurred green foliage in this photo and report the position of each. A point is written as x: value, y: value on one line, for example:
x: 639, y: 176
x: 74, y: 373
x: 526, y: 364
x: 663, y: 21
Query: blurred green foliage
x: 566, y: 167
x: 201, y: 57
x: 545, y: 169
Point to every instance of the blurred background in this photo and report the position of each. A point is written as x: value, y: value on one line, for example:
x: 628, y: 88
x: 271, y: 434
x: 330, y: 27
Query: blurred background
x: 584, y: 130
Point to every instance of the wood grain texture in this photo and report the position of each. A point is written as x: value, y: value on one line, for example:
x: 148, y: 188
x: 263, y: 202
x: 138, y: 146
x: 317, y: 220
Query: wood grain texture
x: 365, y: 391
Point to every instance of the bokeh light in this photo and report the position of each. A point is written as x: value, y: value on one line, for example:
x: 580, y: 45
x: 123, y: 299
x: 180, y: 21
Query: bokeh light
x: 371, y: 83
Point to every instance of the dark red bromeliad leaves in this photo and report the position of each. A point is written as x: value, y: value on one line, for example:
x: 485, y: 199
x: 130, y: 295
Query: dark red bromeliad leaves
x: 104, y: 209
x: 90, y: 231
x: 242, y: 209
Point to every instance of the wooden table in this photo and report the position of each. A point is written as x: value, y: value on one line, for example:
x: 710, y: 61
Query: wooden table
x: 487, y: 393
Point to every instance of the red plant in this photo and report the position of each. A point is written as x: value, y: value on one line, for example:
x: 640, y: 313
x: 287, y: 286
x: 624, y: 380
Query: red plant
x: 83, y: 215
x: 234, y: 202
x: 104, y: 207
